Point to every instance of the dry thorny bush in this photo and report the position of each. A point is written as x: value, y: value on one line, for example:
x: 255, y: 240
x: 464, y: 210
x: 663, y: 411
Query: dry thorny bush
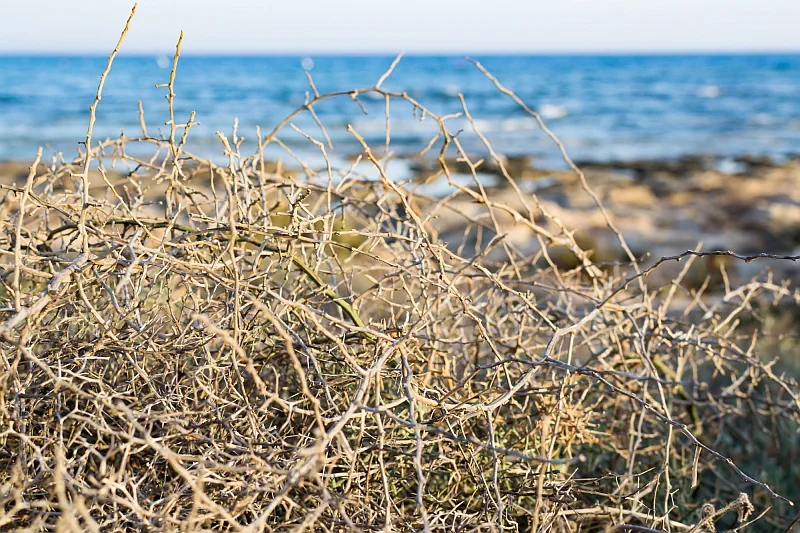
x: 191, y: 346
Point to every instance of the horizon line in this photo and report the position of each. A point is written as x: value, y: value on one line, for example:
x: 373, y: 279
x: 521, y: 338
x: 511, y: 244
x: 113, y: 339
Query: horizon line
x: 386, y: 53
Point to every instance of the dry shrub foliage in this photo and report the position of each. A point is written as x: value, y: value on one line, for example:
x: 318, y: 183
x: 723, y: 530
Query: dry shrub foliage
x: 266, y: 352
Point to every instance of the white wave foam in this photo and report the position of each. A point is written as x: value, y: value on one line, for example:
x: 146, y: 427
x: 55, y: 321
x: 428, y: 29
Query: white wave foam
x: 709, y: 91
x: 553, y: 111
x: 451, y: 90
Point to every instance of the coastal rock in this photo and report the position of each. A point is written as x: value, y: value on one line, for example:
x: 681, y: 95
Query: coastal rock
x: 712, y: 181
x: 15, y: 173
x: 635, y: 195
x: 645, y: 169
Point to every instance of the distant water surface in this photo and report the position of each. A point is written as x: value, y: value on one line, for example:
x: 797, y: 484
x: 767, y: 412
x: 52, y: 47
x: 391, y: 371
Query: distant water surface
x: 603, y: 108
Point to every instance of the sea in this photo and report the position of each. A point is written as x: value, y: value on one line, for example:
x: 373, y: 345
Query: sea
x: 603, y: 108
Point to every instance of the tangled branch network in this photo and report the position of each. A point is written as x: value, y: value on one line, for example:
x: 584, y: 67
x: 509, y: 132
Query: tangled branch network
x: 190, y: 345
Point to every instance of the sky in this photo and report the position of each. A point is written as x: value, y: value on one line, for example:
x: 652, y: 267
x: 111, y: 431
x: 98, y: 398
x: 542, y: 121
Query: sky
x: 413, y: 26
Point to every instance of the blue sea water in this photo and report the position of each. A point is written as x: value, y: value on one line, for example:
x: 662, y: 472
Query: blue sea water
x: 602, y: 107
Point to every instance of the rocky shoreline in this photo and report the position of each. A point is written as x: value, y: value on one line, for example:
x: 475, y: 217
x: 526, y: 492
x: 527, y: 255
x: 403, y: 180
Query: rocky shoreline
x: 748, y: 205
